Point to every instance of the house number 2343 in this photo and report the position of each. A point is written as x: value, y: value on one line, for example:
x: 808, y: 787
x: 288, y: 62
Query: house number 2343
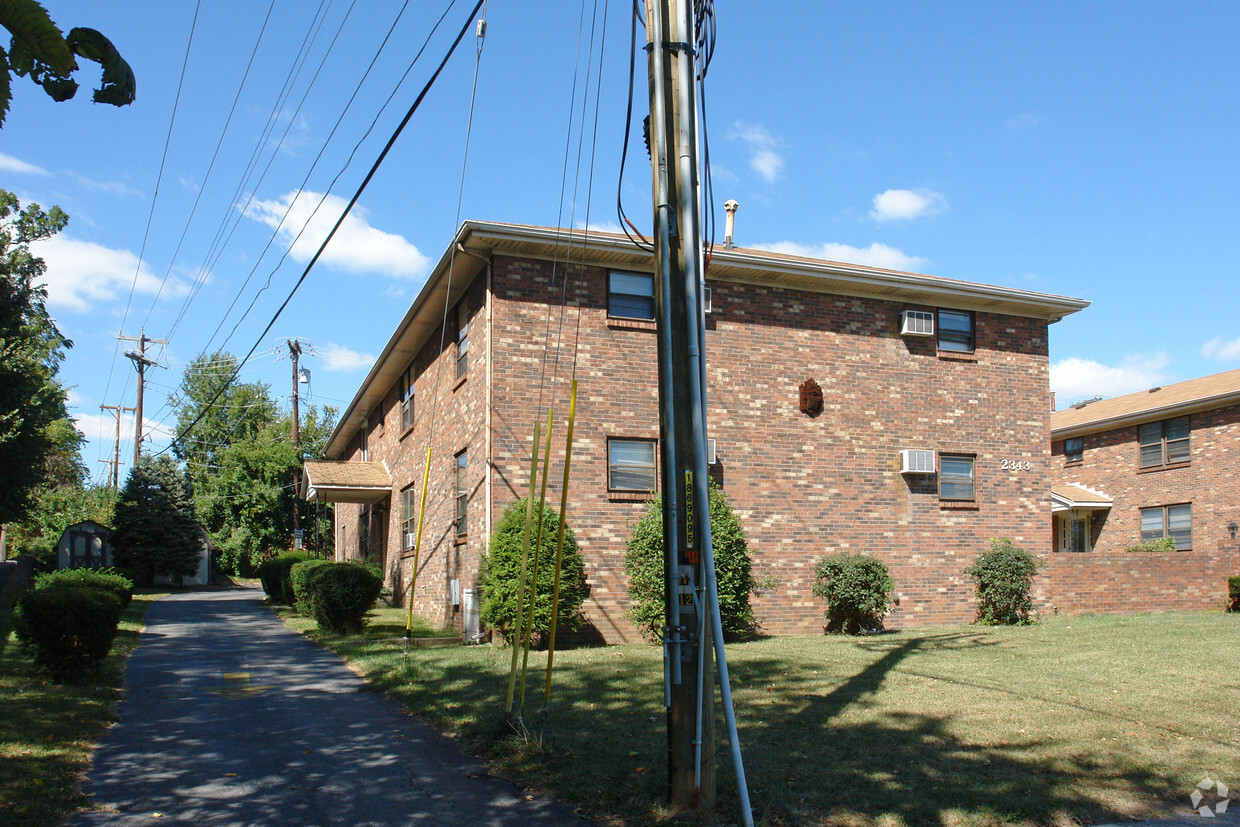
x: 1015, y: 465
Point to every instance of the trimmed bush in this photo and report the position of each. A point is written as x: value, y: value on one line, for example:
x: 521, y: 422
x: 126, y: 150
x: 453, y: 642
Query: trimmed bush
x: 856, y: 588
x: 1003, y: 575
x: 1233, y: 594
x: 297, y: 577
x: 1160, y: 545
x: 69, y: 628
x: 643, y: 563
x: 109, y: 580
x: 340, y: 594
x: 500, y: 574
x: 274, y: 575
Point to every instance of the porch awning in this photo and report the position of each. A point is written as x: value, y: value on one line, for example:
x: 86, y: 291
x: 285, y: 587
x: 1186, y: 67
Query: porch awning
x: 1064, y: 497
x: 331, y: 481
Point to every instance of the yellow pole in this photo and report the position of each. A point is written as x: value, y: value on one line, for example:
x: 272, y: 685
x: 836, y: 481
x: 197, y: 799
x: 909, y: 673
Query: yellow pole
x: 542, y: 499
x: 559, y: 541
x: 417, y: 543
x: 525, y: 553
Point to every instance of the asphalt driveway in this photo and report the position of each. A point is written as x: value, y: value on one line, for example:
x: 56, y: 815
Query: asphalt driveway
x: 230, y: 718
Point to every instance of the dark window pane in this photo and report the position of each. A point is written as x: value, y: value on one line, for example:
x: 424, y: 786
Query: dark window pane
x: 955, y: 331
x: 1074, y: 449
x: 1180, y: 525
x: 1177, y: 451
x: 1151, y: 455
x: 956, y: 478
x: 631, y: 465
x: 1151, y: 524
x: 1177, y: 428
x: 1149, y: 433
x: 630, y: 295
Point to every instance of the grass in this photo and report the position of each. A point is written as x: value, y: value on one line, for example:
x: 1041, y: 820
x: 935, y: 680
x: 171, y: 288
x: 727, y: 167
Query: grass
x: 48, y: 730
x: 1076, y: 720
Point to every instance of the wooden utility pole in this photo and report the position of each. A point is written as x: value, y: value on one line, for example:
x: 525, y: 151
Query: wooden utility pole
x: 688, y: 674
x: 115, y: 462
x: 294, y: 349
x: 140, y: 362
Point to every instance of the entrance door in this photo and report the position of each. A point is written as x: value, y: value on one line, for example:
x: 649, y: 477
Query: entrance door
x: 1073, y: 532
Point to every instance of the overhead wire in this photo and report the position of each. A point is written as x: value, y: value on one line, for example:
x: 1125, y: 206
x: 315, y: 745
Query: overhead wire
x: 344, y: 214
x: 626, y: 225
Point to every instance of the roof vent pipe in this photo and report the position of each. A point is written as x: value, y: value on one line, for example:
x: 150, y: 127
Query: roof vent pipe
x: 730, y: 207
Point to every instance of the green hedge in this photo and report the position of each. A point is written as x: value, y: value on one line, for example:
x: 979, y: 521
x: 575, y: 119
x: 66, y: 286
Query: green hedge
x: 68, y: 628
x: 340, y: 594
x: 109, y: 580
x: 643, y: 564
x: 298, y: 575
x: 500, y: 574
x: 1003, y: 575
x: 1233, y: 594
x: 275, y: 576
x: 1162, y: 544
x: 856, y: 588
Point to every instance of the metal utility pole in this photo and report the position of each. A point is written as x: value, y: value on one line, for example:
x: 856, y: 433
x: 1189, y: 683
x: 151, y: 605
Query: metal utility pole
x: 294, y: 349
x: 688, y: 673
x: 140, y: 362
x: 115, y: 462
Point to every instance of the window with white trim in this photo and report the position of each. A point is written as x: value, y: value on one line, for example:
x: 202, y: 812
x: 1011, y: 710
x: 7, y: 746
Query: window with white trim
x: 408, y: 516
x: 462, y: 490
x: 406, y: 399
x: 956, y: 331
x: 631, y: 465
x: 1174, y: 521
x: 1163, y: 443
x: 956, y: 477
x: 630, y: 296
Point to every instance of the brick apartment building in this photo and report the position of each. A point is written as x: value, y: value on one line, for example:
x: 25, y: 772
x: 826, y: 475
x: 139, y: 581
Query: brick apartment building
x: 1158, y: 463
x: 933, y: 434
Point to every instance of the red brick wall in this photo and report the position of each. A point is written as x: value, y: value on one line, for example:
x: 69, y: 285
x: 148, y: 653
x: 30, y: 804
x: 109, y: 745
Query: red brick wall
x: 1125, y: 583
x: 1210, y: 481
x: 804, y: 487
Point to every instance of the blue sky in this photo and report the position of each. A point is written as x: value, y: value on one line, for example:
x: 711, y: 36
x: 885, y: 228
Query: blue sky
x: 1078, y: 149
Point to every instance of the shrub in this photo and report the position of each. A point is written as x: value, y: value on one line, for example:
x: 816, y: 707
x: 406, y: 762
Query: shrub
x: 856, y: 588
x: 340, y: 594
x: 500, y: 574
x: 297, y: 577
x: 1003, y: 576
x: 69, y: 628
x: 1233, y: 594
x: 1161, y: 544
x: 274, y: 575
x: 643, y: 563
x: 109, y: 580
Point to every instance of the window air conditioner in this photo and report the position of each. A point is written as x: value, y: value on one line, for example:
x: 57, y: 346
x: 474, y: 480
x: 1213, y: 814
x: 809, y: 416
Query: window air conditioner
x: 710, y: 452
x: 916, y: 461
x: 409, y: 539
x: 916, y: 323
x: 705, y: 299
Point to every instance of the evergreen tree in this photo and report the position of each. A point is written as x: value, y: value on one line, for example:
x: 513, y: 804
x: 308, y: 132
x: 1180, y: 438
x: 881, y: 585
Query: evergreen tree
x: 156, y: 529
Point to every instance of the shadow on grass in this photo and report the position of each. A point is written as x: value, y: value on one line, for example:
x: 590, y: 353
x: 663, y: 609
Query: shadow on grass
x: 811, y: 757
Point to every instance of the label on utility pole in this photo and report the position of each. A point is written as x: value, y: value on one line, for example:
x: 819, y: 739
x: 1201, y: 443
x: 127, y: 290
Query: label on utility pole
x: 692, y: 554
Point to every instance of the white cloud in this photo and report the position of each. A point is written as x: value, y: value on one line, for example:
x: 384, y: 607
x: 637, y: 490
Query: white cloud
x: 10, y: 164
x: 113, y: 187
x: 81, y: 274
x: 876, y: 255
x: 764, y: 158
x: 601, y: 227
x: 102, y: 427
x: 904, y: 205
x: 337, y: 357
x: 1073, y: 379
x: 1221, y: 350
x: 357, y: 246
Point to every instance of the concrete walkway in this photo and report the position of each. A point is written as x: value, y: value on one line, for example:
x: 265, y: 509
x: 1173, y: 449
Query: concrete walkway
x: 230, y: 718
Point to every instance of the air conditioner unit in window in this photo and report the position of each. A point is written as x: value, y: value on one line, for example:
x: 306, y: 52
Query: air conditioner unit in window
x: 916, y: 461
x: 409, y: 539
x: 705, y: 299
x: 916, y: 323
x: 710, y: 452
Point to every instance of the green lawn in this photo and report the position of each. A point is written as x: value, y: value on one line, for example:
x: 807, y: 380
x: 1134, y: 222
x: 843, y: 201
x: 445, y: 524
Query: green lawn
x: 47, y: 731
x: 1086, y: 719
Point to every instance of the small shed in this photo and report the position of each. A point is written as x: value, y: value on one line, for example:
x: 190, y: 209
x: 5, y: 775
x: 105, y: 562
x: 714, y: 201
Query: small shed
x: 84, y: 545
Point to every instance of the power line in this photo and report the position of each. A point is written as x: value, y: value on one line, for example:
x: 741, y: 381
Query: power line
x: 352, y: 201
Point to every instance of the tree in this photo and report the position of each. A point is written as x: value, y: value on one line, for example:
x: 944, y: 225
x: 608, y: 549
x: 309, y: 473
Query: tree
x: 156, y: 531
x: 240, y: 458
x: 500, y: 575
x: 32, y: 401
x: 643, y: 563
x: 40, y: 50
